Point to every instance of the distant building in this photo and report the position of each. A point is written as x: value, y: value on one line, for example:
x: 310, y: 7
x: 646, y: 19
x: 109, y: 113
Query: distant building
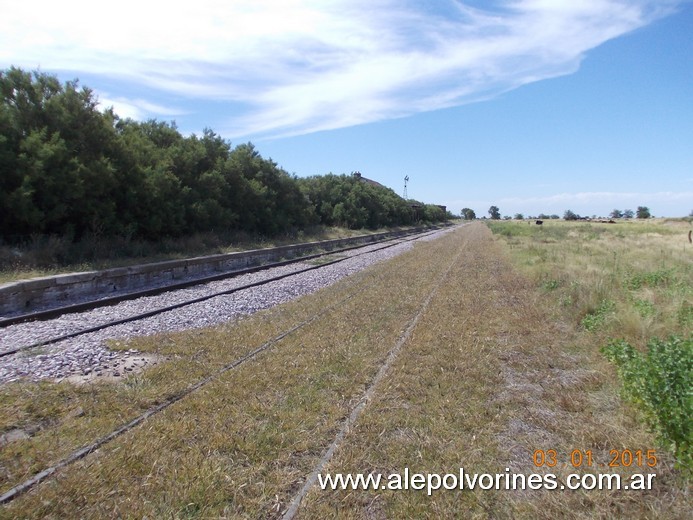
x: 357, y: 175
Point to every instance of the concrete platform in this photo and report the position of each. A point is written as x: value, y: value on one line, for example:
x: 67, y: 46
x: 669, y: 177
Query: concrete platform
x: 54, y: 291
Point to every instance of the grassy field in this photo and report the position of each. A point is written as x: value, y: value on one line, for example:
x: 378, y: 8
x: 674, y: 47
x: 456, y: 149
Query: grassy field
x: 489, y: 355
x: 633, y: 279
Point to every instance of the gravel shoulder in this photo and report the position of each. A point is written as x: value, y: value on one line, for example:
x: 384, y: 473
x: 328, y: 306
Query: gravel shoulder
x: 88, y: 356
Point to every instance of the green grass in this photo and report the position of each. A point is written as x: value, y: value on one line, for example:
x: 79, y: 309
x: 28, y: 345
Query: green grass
x: 643, y: 268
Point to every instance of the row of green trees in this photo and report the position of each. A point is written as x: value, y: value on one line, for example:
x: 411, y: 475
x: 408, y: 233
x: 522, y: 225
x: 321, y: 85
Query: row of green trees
x: 67, y: 169
x: 340, y: 200
x: 494, y: 213
x: 642, y: 212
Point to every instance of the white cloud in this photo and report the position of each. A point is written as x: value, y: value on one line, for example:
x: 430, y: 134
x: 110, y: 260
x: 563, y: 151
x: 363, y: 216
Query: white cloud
x: 298, y: 66
x: 137, y: 109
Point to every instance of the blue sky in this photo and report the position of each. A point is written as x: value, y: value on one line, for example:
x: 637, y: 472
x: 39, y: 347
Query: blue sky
x: 531, y: 105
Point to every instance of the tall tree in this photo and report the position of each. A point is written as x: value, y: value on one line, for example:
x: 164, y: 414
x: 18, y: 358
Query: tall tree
x: 494, y: 212
x: 57, y: 175
x: 68, y: 168
x: 643, y: 212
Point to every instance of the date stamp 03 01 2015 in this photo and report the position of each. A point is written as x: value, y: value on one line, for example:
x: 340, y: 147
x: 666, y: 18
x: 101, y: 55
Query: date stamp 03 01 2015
x: 585, y: 459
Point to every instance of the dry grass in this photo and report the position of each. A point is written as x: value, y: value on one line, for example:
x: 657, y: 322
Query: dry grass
x: 492, y: 371
x: 643, y: 268
x: 488, y: 377
x: 245, y: 439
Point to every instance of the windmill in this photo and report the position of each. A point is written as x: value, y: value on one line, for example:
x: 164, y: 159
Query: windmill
x: 406, y: 180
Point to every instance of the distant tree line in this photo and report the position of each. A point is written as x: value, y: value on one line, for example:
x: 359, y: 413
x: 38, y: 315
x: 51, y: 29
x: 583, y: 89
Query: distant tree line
x: 68, y: 169
x: 643, y: 212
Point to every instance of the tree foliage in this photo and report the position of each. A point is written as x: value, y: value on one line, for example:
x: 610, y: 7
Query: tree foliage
x: 643, y: 212
x: 494, y: 212
x: 69, y: 169
x: 626, y: 213
x: 468, y: 214
x: 348, y: 201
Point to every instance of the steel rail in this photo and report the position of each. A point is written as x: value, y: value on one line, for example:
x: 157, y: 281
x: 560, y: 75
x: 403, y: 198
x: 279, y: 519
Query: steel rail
x: 82, y: 452
x: 200, y: 299
x: 51, y: 313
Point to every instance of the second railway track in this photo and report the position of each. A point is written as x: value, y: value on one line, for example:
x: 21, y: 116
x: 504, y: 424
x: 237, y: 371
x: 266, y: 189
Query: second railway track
x: 16, y: 340
x: 155, y: 289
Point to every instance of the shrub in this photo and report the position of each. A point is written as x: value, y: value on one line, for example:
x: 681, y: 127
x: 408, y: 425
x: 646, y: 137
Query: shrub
x: 659, y: 384
x: 595, y: 319
x: 659, y: 278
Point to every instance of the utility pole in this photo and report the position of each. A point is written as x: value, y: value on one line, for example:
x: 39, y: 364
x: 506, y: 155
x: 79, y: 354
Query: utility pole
x: 406, y: 180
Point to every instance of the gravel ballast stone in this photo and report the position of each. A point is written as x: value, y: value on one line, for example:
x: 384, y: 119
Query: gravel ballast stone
x: 87, y: 357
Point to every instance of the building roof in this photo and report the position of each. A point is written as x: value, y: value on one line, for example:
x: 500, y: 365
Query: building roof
x: 360, y: 177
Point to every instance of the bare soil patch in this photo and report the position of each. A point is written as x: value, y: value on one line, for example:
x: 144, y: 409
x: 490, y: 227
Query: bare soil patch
x: 116, y: 370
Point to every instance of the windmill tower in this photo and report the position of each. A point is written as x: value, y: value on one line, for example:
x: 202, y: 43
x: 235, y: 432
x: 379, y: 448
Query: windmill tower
x: 406, y: 180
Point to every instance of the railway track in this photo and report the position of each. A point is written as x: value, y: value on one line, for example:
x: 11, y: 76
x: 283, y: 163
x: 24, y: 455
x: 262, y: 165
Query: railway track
x: 82, y: 452
x: 47, y: 314
x: 85, y: 450
x: 85, y: 306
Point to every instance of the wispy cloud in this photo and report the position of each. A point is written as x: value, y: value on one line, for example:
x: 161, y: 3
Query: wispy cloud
x: 299, y: 66
x: 136, y: 108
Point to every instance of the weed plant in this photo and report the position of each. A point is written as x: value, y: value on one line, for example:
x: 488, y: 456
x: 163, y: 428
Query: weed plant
x: 595, y: 319
x: 659, y: 383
